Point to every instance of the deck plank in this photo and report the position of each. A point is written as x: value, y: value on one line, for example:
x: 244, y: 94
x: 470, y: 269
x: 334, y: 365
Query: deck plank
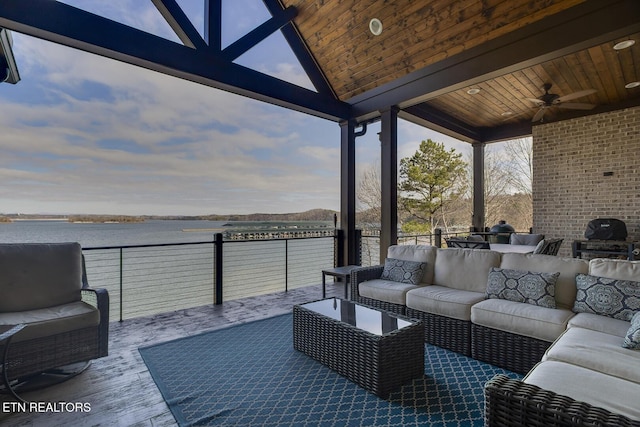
x: 119, y: 387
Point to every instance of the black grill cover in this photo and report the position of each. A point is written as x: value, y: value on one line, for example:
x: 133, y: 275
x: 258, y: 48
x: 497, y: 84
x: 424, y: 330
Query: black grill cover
x: 606, y: 229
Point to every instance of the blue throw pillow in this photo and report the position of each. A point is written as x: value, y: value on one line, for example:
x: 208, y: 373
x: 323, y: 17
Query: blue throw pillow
x: 615, y: 298
x: 632, y: 338
x: 401, y: 271
x: 523, y: 286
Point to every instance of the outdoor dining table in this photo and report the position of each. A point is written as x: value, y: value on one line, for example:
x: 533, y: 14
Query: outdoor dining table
x: 506, y: 247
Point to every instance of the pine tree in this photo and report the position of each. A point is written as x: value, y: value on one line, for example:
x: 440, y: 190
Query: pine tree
x: 429, y: 180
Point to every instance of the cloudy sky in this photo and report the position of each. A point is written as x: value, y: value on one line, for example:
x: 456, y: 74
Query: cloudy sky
x: 84, y: 134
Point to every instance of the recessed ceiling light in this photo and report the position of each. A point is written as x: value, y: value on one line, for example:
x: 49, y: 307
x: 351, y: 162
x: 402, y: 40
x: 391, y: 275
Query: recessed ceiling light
x: 624, y: 44
x: 507, y: 113
x: 632, y: 85
x: 473, y: 91
x: 375, y: 26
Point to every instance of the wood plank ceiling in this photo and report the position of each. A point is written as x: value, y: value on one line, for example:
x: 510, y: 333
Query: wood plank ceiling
x: 421, y: 34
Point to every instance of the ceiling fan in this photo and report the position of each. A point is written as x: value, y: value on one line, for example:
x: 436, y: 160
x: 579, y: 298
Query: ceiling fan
x: 553, y: 100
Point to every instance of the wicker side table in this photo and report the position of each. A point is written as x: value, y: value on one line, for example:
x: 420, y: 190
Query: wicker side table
x: 377, y: 361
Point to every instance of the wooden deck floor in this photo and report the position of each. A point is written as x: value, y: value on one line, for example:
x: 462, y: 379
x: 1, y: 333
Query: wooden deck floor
x: 120, y: 389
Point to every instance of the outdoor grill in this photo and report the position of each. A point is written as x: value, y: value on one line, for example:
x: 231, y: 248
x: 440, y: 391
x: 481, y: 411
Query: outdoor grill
x: 606, y: 237
x: 606, y: 229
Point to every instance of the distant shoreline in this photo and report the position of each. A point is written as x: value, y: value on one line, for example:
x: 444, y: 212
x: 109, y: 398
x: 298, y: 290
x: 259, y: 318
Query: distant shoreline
x: 311, y: 215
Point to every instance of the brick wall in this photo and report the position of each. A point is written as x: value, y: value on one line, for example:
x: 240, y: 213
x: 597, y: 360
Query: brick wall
x: 570, y: 159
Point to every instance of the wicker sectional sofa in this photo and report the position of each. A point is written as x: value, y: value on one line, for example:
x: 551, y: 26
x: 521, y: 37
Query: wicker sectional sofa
x: 576, y: 369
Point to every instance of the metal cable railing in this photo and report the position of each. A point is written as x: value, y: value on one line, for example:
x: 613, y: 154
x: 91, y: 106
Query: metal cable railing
x: 144, y: 280
x: 149, y: 279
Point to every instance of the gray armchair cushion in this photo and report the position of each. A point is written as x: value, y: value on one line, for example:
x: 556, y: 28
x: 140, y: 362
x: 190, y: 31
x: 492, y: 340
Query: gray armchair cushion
x: 35, y: 276
x: 46, y: 322
x: 525, y: 239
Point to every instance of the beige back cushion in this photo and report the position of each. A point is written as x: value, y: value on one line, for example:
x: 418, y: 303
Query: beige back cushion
x: 465, y: 269
x: 421, y: 253
x: 567, y: 267
x: 615, y: 269
x: 34, y: 275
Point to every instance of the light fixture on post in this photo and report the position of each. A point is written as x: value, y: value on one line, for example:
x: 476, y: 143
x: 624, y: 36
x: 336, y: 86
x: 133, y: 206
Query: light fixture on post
x: 375, y: 26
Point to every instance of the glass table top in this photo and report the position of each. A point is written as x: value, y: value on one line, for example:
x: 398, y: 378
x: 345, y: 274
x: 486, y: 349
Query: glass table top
x: 368, y: 319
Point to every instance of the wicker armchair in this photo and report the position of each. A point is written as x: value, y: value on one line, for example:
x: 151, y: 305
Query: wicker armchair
x: 512, y: 403
x: 44, y: 287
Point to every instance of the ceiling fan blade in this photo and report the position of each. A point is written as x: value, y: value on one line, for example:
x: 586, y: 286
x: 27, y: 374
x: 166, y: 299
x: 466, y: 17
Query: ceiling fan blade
x: 538, y: 116
x: 576, y: 106
x: 575, y: 95
x: 535, y: 101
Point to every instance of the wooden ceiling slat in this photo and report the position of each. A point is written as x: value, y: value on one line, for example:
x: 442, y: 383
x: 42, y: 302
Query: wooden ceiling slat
x: 595, y: 81
x: 418, y: 34
x: 630, y: 63
x: 431, y: 44
x: 601, y: 68
x: 519, y: 92
x: 379, y: 53
x: 577, y: 68
x: 612, y: 57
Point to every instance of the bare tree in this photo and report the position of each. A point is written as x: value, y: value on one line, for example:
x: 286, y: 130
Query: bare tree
x: 520, y: 153
x: 369, y: 194
x: 508, y: 175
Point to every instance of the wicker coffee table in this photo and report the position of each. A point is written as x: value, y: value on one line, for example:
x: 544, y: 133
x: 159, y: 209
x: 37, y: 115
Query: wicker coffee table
x: 377, y: 350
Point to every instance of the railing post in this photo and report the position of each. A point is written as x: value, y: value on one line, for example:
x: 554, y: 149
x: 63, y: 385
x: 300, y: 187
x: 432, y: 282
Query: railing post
x: 438, y: 235
x: 121, y: 299
x: 286, y: 265
x: 218, y: 269
x: 358, y: 260
x: 338, y: 248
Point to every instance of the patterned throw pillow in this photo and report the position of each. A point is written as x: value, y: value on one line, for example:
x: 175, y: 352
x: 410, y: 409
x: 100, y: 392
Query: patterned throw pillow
x: 523, y: 286
x: 632, y: 339
x: 615, y: 298
x: 401, y: 271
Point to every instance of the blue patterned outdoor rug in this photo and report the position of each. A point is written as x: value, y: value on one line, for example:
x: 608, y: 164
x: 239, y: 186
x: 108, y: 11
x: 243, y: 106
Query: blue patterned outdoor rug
x: 250, y: 375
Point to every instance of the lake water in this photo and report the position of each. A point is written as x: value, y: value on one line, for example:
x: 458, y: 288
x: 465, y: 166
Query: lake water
x: 111, y: 234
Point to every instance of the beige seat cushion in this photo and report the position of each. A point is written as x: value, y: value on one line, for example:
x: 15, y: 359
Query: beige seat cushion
x: 465, y: 269
x: 584, y: 385
x: 529, y: 320
x: 597, y: 351
x: 595, y: 322
x: 51, y: 321
x: 385, y: 290
x: 443, y: 301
